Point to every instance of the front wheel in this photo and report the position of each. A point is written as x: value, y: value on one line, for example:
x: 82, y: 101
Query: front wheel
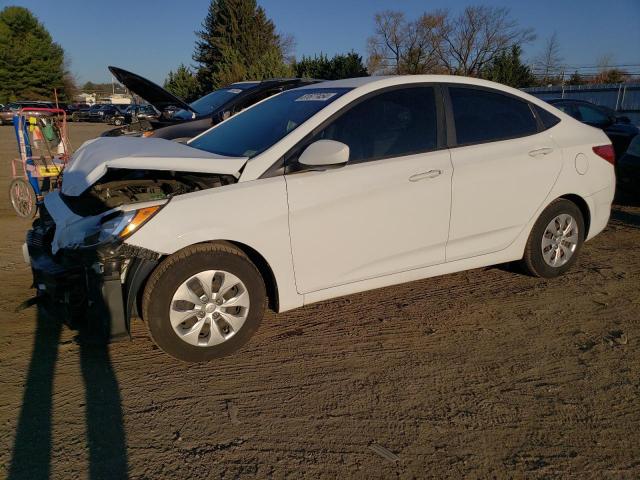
x: 555, y: 240
x: 204, y: 302
x: 118, y: 122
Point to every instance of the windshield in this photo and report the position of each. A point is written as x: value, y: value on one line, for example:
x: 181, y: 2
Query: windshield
x: 253, y: 131
x: 209, y: 103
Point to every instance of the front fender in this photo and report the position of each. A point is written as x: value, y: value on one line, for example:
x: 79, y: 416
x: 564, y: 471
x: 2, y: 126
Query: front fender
x: 253, y: 213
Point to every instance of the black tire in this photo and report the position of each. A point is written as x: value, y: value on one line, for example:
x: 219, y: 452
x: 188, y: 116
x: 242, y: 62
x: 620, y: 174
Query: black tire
x: 179, y: 267
x: 118, y: 122
x: 74, y: 117
x: 533, y: 260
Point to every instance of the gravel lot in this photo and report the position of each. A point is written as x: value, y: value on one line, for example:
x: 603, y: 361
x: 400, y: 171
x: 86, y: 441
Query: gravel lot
x: 486, y: 373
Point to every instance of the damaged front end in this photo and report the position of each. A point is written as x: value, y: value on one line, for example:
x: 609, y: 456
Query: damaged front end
x: 78, y: 248
x: 94, y: 280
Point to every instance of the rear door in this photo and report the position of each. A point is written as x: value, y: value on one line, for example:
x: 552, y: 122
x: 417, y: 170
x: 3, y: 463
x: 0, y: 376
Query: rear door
x: 504, y: 168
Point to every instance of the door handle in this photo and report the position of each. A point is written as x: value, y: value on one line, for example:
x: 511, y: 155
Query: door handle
x: 424, y: 175
x: 540, y: 151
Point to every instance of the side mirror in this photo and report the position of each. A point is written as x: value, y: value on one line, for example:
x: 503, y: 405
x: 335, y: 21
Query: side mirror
x: 325, y: 153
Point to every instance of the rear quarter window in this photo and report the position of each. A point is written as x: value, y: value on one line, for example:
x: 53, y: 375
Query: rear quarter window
x: 487, y: 116
x: 547, y: 118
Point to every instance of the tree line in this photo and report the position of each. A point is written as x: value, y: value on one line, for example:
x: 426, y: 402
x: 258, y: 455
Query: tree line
x: 238, y: 41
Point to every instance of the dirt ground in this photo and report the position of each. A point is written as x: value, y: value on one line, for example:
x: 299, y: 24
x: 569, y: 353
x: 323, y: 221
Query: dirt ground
x: 486, y: 373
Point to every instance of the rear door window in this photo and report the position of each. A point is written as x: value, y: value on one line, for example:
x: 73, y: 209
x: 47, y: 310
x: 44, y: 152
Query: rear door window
x: 488, y: 116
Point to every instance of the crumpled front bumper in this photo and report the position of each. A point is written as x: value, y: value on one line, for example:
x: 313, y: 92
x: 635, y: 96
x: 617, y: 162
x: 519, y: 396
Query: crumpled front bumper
x: 99, y: 285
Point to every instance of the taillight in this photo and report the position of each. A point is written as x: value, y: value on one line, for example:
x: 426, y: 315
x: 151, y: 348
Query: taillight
x: 606, y: 152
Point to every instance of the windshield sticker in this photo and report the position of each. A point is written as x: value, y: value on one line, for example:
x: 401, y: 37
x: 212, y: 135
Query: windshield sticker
x: 234, y: 90
x: 316, y: 97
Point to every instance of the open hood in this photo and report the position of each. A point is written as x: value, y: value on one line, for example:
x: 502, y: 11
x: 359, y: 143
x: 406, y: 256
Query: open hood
x: 149, y: 91
x: 91, y: 161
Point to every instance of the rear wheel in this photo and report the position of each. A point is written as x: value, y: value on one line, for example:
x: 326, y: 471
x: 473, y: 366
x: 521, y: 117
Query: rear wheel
x: 204, y: 302
x: 555, y: 240
x: 23, y: 198
x: 75, y: 117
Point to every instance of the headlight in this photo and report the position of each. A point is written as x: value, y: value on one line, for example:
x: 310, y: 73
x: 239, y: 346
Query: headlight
x: 123, y: 224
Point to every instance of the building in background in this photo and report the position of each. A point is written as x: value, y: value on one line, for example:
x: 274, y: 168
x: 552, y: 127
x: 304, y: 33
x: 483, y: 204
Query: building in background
x: 116, y: 99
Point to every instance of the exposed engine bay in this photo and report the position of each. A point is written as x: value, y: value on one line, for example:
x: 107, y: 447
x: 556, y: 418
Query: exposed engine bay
x: 122, y: 186
x: 134, y: 129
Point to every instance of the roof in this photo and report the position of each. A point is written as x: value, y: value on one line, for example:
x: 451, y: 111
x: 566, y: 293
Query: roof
x: 269, y: 82
x: 404, y: 79
x: 574, y: 100
x: 363, y: 85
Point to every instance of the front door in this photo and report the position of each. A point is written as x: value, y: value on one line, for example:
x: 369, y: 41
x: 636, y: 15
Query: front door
x: 387, y: 210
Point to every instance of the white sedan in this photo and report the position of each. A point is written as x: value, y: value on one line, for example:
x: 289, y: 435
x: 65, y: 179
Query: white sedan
x: 315, y: 193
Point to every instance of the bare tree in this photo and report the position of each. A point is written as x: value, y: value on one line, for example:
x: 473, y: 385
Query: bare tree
x: 605, y: 61
x: 549, y: 63
x: 404, y: 47
x: 387, y: 44
x: 607, y: 73
x: 475, y: 37
x: 437, y: 42
x: 423, y: 44
x: 287, y: 43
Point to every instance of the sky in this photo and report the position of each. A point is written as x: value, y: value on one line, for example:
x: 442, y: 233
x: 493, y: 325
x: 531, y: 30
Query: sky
x: 151, y: 37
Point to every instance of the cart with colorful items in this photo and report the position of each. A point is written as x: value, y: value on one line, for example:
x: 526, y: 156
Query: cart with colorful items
x: 43, y: 145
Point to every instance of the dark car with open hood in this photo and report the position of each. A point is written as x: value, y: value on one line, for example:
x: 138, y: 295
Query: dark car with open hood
x: 186, y: 120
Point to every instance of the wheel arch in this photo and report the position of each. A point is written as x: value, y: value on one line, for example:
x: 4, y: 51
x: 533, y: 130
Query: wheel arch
x: 256, y: 257
x: 582, y: 204
x: 265, y: 270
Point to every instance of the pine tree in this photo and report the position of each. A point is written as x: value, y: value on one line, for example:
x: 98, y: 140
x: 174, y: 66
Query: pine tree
x: 31, y: 63
x: 183, y: 84
x: 237, y: 42
x: 507, y: 68
x: 347, y: 65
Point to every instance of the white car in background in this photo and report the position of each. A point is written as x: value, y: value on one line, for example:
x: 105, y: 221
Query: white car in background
x: 315, y: 193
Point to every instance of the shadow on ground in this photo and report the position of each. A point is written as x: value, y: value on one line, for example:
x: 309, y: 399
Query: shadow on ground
x: 105, y: 435
x: 627, y: 218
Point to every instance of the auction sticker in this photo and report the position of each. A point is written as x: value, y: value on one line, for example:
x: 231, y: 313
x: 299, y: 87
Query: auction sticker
x: 316, y: 97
